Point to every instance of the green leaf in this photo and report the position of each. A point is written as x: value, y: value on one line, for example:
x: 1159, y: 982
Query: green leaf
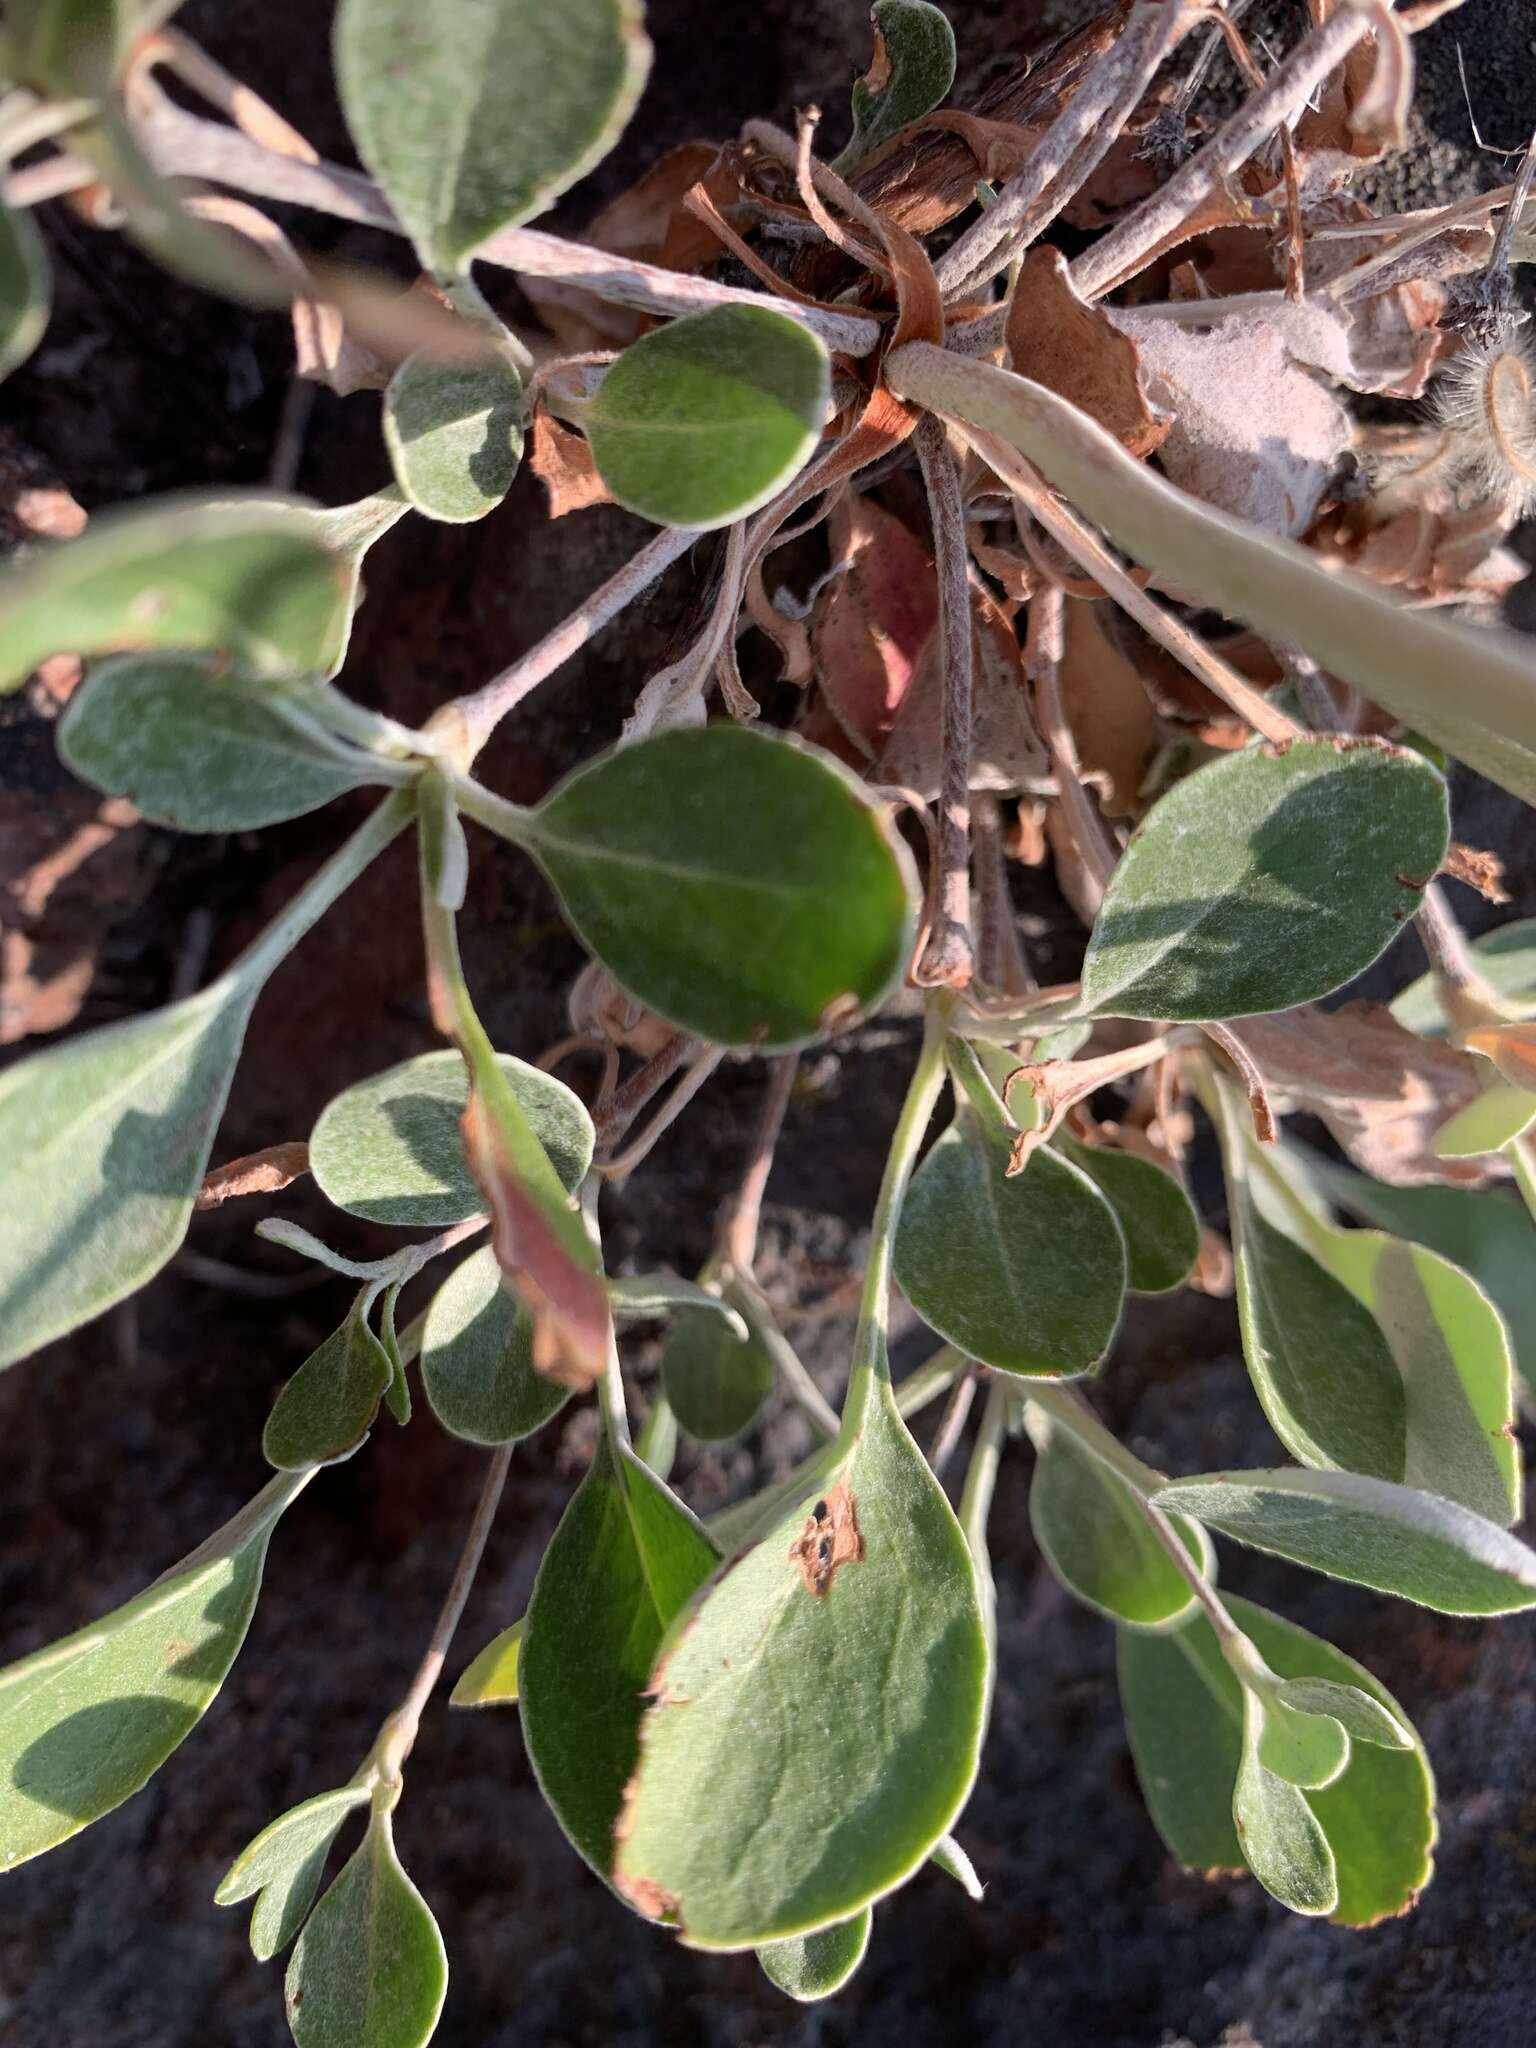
x: 1491, y: 1121
x: 1283, y: 1841
x: 202, y: 747
x: 87, y: 1721
x: 1184, y: 1710
x: 647, y: 1297
x: 1362, y: 1718
x: 1228, y: 901
x: 1309, y: 1750
x: 1026, y: 1274
x: 738, y: 884
x: 812, y: 1966
x: 477, y: 1359
x: 397, y: 1395
x: 818, y: 1711
x: 715, y: 1380
x: 912, y: 69
x: 253, y: 579
x: 479, y: 117
x: 370, y: 1969
x: 624, y: 1560
x: 493, y: 1679
x: 284, y: 1865
x: 705, y: 419
x: 25, y: 288
x: 1095, y: 1538
x: 1368, y: 1531
x: 454, y: 433
x: 1505, y: 959
x: 389, y: 1148
x: 105, y: 1140
x: 350, y: 531
x: 1156, y: 1217
x: 329, y: 1406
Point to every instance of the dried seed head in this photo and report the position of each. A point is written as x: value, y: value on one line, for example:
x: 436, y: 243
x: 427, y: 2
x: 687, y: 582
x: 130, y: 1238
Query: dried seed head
x: 1484, y: 403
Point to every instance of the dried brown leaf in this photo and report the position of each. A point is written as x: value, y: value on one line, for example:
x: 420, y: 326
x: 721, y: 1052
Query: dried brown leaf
x: 872, y: 620
x: 1107, y: 707
x: 258, y: 1173
x: 562, y: 461
x: 1059, y: 340
x: 1006, y: 753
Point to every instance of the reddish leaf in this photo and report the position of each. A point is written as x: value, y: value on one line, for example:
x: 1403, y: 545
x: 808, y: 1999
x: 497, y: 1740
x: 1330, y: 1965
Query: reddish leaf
x: 873, y: 619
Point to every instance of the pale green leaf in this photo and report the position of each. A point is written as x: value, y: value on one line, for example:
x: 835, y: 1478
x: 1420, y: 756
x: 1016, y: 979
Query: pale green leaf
x: 397, y: 1395
x: 624, y: 1560
x: 1228, y: 902
x: 949, y: 1857
x: 1283, y: 1842
x: 454, y: 434
x: 818, y: 1711
x: 479, y: 116
x: 716, y: 1381
x: 284, y: 1865
x: 1156, y: 1217
x: 1304, y: 1748
x: 254, y: 579
x: 705, y: 419
x: 813, y: 1966
x: 370, y: 1969
x: 329, y: 1406
x: 1369, y: 1531
x: 912, y: 69
x: 389, y: 1148
x: 477, y: 1359
x: 25, y: 289
x: 492, y: 1679
x: 1505, y: 959
x: 1363, y: 1718
x: 1026, y: 1274
x: 740, y: 885
x: 203, y: 747
x: 1493, y: 1120
x: 87, y: 1721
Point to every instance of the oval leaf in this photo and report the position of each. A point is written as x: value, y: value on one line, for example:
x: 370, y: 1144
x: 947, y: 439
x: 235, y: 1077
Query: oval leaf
x: 252, y: 579
x: 1283, y: 1841
x: 479, y: 116
x: 87, y: 1721
x: 202, y: 747
x: 1156, y: 1217
x: 813, y: 1966
x: 284, y: 1865
x: 1025, y: 1273
x: 818, y: 1713
x: 25, y: 289
x: 715, y: 1381
x: 477, y: 1359
x: 454, y: 434
x: 1232, y: 897
x: 626, y: 1557
x: 740, y: 885
x: 328, y: 1407
x: 704, y: 420
x: 389, y: 1148
x: 370, y: 1969
x: 1370, y: 1532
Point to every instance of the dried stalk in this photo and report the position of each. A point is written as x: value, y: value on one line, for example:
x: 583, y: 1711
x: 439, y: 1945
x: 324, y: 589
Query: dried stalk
x: 1044, y: 646
x: 947, y: 959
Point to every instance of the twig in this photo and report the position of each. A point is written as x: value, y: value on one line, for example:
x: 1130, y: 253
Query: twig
x: 256, y: 1173
x: 1000, y: 957
x: 947, y: 959
x: 1465, y: 996
x: 1043, y: 649
x: 739, y: 1226
x: 625, y: 1162
x: 952, y: 1424
x: 1264, y: 1126
x: 626, y: 1103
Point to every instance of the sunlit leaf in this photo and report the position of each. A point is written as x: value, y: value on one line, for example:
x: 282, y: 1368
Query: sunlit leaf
x: 329, y: 1405
x: 492, y: 1679
x: 1304, y: 1748
x: 737, y: 884
x: 624, y: 1560
x: 1227, y: 900
x: 254, y: 580
x: 1283, y: 1840
x: 949, y: 1857
x: 1362, y: 1718
x: 478, y: 118
x: 202, y: 747
x: 284, y: 1865
x: 1497, y: 1117
x: 389, y: 1148
x: 1368, y: 1531
x: 716, y: 1380
x: 25, y: 289
x: 1026, y: 1274
x: 818, y: 1712
x: 1156, y: 1217
x: 370, y: 1969
x: 454, y: 434
x: 87, y: 1721
x: 477, y: 1359
x: 703, y: 420
x: 912, y: 69
x: 812, y: 1966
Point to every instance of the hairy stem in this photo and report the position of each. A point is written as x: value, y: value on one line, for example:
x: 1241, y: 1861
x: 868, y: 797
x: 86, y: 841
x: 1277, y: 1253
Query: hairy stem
x: 947, y: 958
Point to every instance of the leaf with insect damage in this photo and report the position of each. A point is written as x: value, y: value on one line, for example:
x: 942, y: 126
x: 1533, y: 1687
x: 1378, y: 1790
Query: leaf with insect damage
x: 813, y: 1966
x: 389, y: 1148
x: 370, y: 1969
x: 479, y: 116
x: 739, y: 885
x: 283, y: 1867
x: 625, y: 1559
x: 328, y: 1407
x: 1025, y: 1272
x: 705, y: 419
x: 912, y: 68
x: 25, y: 289
x: 477, y: 1367
x: 818, y: 1710
x: 200, y: 746
x: 1156, y: 1217
x: 455, y: 435
x: 1227, y: 900
x: 87, y: 1721
x: 1184, y: 1713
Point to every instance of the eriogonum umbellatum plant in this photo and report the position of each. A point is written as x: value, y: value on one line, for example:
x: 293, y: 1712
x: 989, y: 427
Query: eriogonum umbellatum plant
x: 1115, y: 574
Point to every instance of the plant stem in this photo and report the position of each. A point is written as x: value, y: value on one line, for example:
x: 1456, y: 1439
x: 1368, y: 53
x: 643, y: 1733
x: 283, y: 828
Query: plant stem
x: 748, y: 1299
x: 1522, y: 1157
x: 952, y: 1425
x: 398, y: 1734
x: 387, y: 822
x: 948, y: 959
x: 739, y: 1226
x: 1044, y: 646
x: 981, y: 1473
x: 1465, y: 996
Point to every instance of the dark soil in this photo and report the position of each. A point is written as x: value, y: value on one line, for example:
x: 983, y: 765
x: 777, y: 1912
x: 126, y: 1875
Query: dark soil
x: 124, y: 1445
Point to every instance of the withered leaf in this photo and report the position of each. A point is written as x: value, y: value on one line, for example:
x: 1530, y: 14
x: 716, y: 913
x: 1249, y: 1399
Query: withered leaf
x: 1073, y: 348
x: 562, y: 462
x: 1107, y: 707
x: 873, y: 619
x: 1006, y: 753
